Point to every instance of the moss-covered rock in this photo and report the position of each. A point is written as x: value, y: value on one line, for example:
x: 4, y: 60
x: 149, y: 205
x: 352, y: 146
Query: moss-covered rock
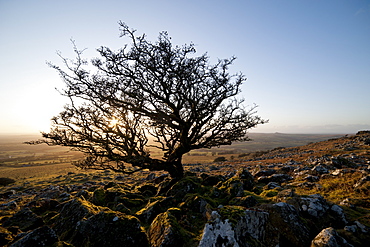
x: 134, y: 204
x: 198, y: 205
x: 189, y: 184
x: 25, y: 219
x: 165, y: 231
x: 246, y: 201
x: 211, y: 180
x: 269, y: 193
x: 98, y: 197
x: 109, y: 228
x: 40, y: 237
x: 113, y: 193
x: 152, y: 209
x: 235, y: 226
x: 71, y: 213
x: 120, y: 207
x: 285, y: 220
x: 247, y: 178
x: 147, y: 189
x: 234, y: 187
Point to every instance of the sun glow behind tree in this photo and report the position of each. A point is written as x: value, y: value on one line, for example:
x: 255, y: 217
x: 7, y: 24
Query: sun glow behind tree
x: 148, y: 91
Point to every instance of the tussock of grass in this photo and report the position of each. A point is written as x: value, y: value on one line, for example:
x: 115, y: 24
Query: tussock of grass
x: 336, y: 189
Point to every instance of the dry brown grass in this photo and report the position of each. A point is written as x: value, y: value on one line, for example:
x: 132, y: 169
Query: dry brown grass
x: 23, y: 173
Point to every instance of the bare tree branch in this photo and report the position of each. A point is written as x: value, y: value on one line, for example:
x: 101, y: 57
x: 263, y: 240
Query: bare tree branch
x: 148, y: 90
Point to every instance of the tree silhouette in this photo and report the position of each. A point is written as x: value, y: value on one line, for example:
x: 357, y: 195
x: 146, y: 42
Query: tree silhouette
x: 148, y: 95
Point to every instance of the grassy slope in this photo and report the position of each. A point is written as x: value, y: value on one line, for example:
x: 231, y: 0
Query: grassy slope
x: 333, y: 188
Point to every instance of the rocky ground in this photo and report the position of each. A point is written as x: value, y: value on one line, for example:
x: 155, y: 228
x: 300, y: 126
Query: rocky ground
x: 314, y: 195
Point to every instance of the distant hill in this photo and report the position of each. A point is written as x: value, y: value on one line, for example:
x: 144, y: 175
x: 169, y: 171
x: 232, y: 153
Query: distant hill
x: 267, y: 141
x: 12, y: 145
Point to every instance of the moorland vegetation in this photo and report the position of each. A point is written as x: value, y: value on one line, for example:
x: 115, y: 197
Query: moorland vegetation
x: 311, y: 195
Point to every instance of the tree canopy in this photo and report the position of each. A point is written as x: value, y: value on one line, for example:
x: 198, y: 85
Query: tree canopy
x: 148, y: 95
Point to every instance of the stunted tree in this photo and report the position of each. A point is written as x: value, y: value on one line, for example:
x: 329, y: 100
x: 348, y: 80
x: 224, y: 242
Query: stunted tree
x: 148, y: 95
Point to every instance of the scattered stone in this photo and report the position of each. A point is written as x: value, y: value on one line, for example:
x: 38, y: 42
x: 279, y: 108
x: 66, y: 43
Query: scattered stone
x: 357, y: 225
x: 340, y: 162
x: 259, y: 172
x: 252, y: 227
x: 329, y: 237
x: 339, y: 213
x: 151, y: 176
x: 362, y: 181
x: 314, y: 205
x: 272, y: 185
x: 212, y: 180
x: 320, y: 169
x: 247, y: 178
x: 352, y: 228
x: 285, y: 194
x: 103, y: 211
x: 311, y: 178
x: 347, y: 202
x: 278, y: 178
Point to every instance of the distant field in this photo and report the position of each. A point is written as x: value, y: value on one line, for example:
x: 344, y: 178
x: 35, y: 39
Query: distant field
x: 258, y: 142
x: 18, y: 160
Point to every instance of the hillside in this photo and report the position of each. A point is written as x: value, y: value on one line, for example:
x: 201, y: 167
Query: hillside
x: 311, y: 195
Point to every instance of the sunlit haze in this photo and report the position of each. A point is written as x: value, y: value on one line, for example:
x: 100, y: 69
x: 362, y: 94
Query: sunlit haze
x: 307, y: 62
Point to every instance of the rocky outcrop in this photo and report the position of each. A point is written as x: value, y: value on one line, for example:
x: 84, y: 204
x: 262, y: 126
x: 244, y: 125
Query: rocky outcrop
x: 98, y: 216
x: 165, y: 231
x: 71, y: 214
x: 328, y: 237
x: 25, y: 219
x: 223, y: 205
x: 40, y: 237
x: 275, y: 225
x: 246, y: 178
x: 109, y: 228
x: 218, y: 233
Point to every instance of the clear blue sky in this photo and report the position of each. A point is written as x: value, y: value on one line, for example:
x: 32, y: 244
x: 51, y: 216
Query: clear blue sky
x: 307, y: 61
